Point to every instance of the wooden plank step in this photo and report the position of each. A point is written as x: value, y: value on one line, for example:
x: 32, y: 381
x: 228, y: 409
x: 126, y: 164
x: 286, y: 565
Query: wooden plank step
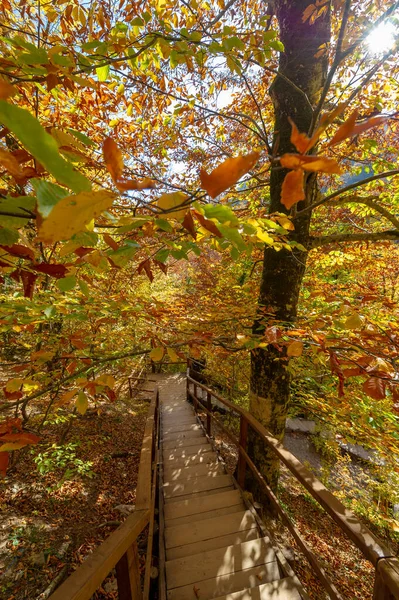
x: 191, y: 448
x: 210, y: 514
x: 199, y: 494
x: 227, y: 584
x: 179, y: 462
x: 188, y: 472
x: 177, y: 453
x: 219, y: 542
x: 208, y: 528
x: 183, y: 443
x: 192, y: 486
x: 184, y: 508
x: 215, y: 563
x: 284, y: 589
x: 179, y: 428
x: 182, y: 435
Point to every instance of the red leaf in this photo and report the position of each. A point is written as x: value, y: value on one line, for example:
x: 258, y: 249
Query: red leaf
x: 188, y: 223
x: 4, y: 458
x: 207, y: 224
x: 20, y: 251
x: 82, y: 251
x: 28, y: 281
x: 375, y: 388
x: 12, y: 395
x: 55, y: 270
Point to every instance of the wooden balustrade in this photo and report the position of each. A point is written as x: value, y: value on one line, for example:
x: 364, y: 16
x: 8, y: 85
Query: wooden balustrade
x: 119, y: 550
x: 376, y: 551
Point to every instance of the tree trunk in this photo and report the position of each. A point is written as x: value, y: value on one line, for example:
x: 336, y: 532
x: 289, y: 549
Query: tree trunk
x: 283, y: 271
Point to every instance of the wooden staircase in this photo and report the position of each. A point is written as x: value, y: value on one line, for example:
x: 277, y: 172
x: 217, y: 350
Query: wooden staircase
x: 214, y: 544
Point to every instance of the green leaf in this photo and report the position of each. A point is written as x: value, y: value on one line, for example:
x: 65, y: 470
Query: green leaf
x: 102, y: 73
x: 82, y: 403
x: 17, y: 206
x: 8, y: 237
x: 220, y: 212
x: 66, y: 283
x: 233, y: 236
x: 50, y: 312
x: 84, y: 288
x: 48, y: 195
x: 41, y: 145
x: 81, y: 137
x: 162, y: 255
x: 164, y: 225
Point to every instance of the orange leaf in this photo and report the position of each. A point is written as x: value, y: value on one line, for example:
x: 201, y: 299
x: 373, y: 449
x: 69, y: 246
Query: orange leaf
x: 375, y: 388
x: 299, y: 140
x: 6, y: 90
x: 310, y: 163
x: 9, y: 162
x: 188, y: 223
x: 346, y: 129
x: 113, y: 158
x: 4, y: 458
x: 228, y: 173
x: 369, y: 123
x: 292, y: 189
x: 124, y: 185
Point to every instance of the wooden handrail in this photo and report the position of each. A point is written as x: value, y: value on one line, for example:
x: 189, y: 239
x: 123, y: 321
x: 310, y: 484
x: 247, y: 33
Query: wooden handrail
x: 120, y: 549
x: 375, y: 550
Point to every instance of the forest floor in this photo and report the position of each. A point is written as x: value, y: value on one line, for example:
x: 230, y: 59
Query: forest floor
x: 50, y: 521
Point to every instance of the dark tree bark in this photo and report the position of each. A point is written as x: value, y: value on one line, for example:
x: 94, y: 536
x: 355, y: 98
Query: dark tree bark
x: 283, y: 271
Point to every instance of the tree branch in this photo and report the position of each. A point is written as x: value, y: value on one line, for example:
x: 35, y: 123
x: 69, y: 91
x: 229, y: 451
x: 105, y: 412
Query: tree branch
x: 316, y: 242
x: 346, y: 189
x: 372, y: 204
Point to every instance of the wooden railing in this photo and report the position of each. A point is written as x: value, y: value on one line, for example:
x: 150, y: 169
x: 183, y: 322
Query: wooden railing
x: 119, y: 550
x: 386, y: 586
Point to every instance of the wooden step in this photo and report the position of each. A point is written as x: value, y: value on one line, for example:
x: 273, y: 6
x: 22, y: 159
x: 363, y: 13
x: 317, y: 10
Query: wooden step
x: 186, y: 451
x: 219, y: 542
x: 283, y: 589
x: 193, y: 486
x: 181, y: 428
x: 183, y: 443
x: 185, y: 508
x: 214, y: 564
x: 182, y: 435
x: 210, y: 514
x: 190, y: 460
x: 208, y: 528
x: 199, y: 494
x: 179, y: 473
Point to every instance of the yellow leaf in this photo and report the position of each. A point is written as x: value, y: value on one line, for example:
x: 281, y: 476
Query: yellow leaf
x: 292, y: 190
x: 107, y: 380
x: 82, y: 403
x: 264, y: 237
x: 228, y: 173
x: 286, y: 223
x: 157, y: 354
x: 295, y: 349
x: 14, y: 385
x: 172, y: 355
x: 167, y: 202
x: 113, y: 158
x: 353, y: 322
x: 65, y: 398
x: 71, y: 214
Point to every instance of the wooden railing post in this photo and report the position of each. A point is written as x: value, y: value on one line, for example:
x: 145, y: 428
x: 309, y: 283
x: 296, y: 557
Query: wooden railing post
x: 195, y: 397
x: 243, y: 444
x: 128, y: 575
x: 386, y: 585
x: 208, y: 416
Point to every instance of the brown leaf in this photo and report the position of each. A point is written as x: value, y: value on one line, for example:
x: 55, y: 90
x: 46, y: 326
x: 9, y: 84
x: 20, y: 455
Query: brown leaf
x: 110, y: 241
x: 51, y: 81
x: 6, y: 90
x: 375, y: 388
x: 295, y: 349
x: 55, y: 270
x: 228, y: 173
x: 10, y: 163
x: 20, y: 251
x: 207, y: 224
x: 113, y: 158
x: 160, y: 265
x: 124, y: 185
x: 188, y: 223
x: 310, y: 163
x: 292, y: 190
x: 4, y: 458
x: 28, y: 281
x: 145, y: 265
